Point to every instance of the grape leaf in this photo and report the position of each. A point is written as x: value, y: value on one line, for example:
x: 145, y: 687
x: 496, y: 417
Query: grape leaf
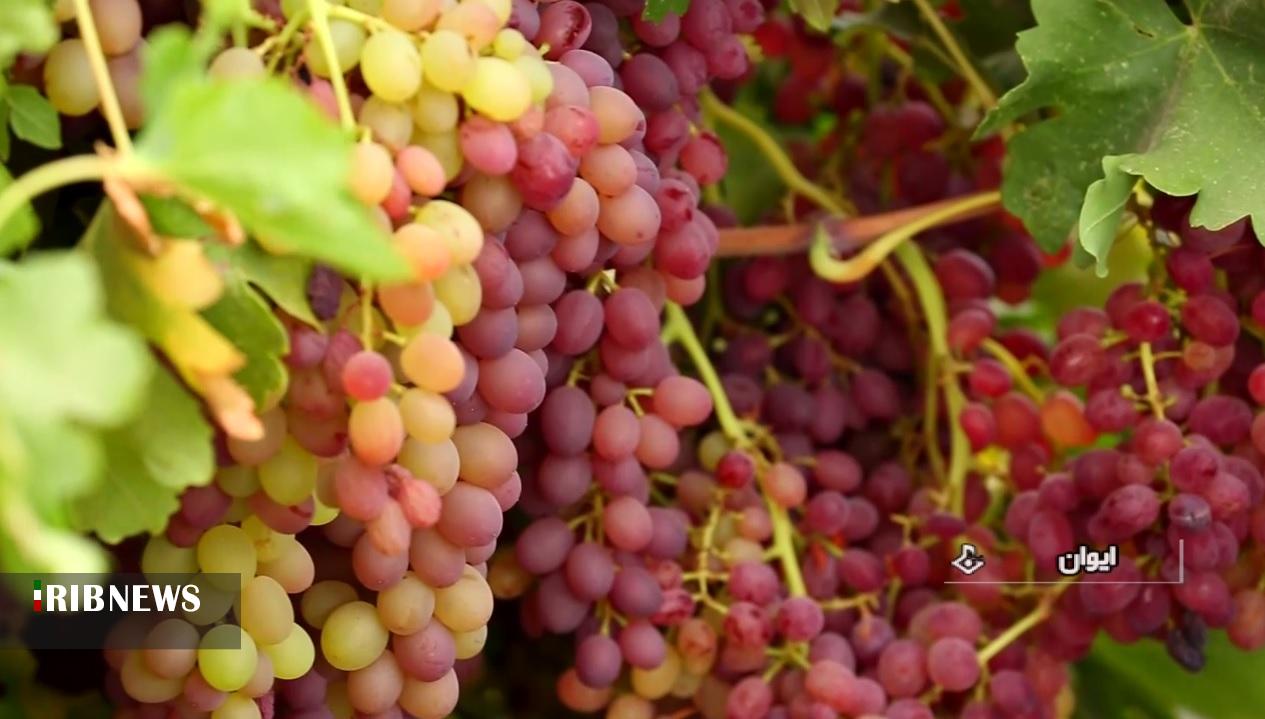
x: 22, y: 227
x: 1140, y: 681
x: 283, y: 278
x: 656, y: 10
x: 243, y: 315
x: 32, y: 117
x: 819, y: 14
x: 260, y: 150
x: 25, y: 26
x: 149, y: 462
x: 1182, y: 106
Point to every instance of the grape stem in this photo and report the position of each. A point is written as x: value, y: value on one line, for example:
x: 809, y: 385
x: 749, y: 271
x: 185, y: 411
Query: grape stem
x: 49, y: 176
x: 1014, y: 366
x: 1153, y: 397
x: 374, y: 24
x: 972, y: 77
x: 1030, y: 620
x: 101, y: 75
x: 320, y: 25
x: 678, y: 329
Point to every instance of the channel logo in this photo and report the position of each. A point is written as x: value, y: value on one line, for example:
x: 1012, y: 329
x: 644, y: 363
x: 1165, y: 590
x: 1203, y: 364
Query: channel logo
x: 115, y: 597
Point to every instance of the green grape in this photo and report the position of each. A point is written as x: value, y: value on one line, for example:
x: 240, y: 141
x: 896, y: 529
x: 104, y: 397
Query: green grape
x: 292, y: 657
x: 447, y: 60
x: 459, y: 229
x: 469, y: 644
x: 237, y: 63
x: 439, y: 323
x: 465, y: 605
x: 143, y: 685
x: 539, y: 79
x: 438, y: 463
x: 368, y: 7
x: 237, y: 706
x: 265, y: 612
x: 411, y: 15
x: 215, y: 602
x: 391, y: 122
x: 446, y: 148
x: 391, y: 65
x: 322, y: 598
x: 498, y: 89
x: 509, y: 44
x: 353, y: 636
x: 227, y: 669
x: 435, y: 110
x: 349, y: 43
x: 459, y: 290
x: 225, y: 549
x: 323, y: 514
x: 68, y: 79
x: 237, y: 481
x: 163, y: 557
x: 406, y: 606
x: 289, y: 476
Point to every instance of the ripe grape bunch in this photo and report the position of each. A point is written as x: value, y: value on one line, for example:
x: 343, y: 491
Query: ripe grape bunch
x: 735, y: 485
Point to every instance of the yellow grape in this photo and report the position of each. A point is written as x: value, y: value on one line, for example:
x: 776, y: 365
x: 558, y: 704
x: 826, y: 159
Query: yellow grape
x: 488, y: 456
x: 376, y: 431
x: 656, y: 683
x: 162, y: 557
x: 227, y: 669
x: 375, y: 689
x: 539, y: 79
x: 125, y: 73
x: 498, y: 89
x: 322, y: 598
x: 459, y: 290
x: 215, y: 602
x: 237, y: 481
x: 254, y: 452
x: 336, y: 700
x: 406, y: 606
x: 438, y: 463
x: 293, y: 656
x: 474, y: 21
x: 353, y: 636
x: 446, y: 147
x: 369, y: 7
x: 509, y: 44
x: 430, y: 700
x: 261, y: 681
x: 435, y: 110
x: 501, y: 8
x: 630, y: 706
x: 469, y: 644
x: 422, y: 171
x: 423, y: 246
x: 439, y: 323
x: 391, y: 65
x: 143, y: 685
x: 447, y: 60
x: 433, y: 363
x: 391, y: 122
x: 289, y: 476
x: 225, y: 549
x: 411, y: 15
x: 349, y: 42
x: 118, y: 24
x: 293, y: 567
x: 407, y: 304
x: 237, y: 63
x: 266, y: 613
x: 371, y: 173
x: 171, y: 649
x: 323, y: 513
x: 237, y: 706
x: 465, y: 605
x: 507, y: 579
x: 428, y: 417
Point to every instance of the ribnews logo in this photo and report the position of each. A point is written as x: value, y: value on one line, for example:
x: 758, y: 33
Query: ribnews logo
x: 116, y: 598
x: 97, y: 611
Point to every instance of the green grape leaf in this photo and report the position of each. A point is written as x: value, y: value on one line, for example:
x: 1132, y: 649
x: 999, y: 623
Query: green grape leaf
x: 283, y: 278
x: 32, y: 117
x: 63, y: 358
x: 258, y: 149
x: 242, y: 314
x: 149, y: 462
x: 1140, y: 681
x: 1182, y: 106
x: 25, y: 26
x: 819, y: 14
x: 1105, y: 201
x: 173, y: 217
x: 656, y: 10
x: 22, y: 227
x: 5, y: 143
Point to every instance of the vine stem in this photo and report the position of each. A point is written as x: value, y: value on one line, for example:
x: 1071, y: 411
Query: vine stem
x: 768, y: 146
x: 972, y: 77
x: 1019, y: 628
x: 1153, y: 396
x: 76, y: 168
x: 320, y: 25
x: 101, y: 75
x: 678, y: 329
x: 1016, y: 368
